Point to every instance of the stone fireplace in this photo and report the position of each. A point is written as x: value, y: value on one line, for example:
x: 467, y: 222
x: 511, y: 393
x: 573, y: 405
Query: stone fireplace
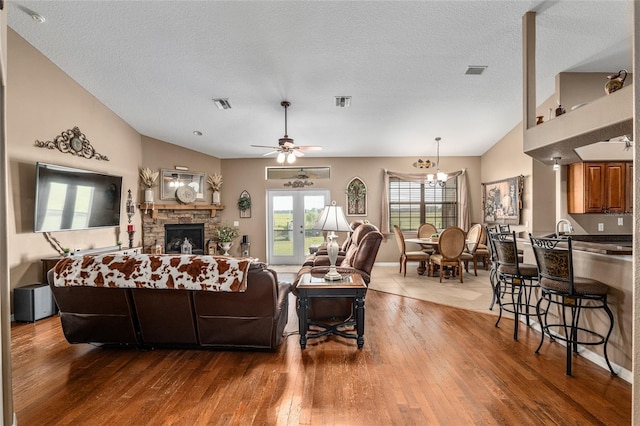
x: 155, y: 221
x: 174, y: 235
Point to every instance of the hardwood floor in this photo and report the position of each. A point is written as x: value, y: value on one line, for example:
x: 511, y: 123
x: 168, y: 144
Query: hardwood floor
x: 422, y: 363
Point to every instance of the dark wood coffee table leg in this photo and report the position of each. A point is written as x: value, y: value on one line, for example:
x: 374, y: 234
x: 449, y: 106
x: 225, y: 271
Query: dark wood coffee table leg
x: 303, y: 326
x: 359, y: 308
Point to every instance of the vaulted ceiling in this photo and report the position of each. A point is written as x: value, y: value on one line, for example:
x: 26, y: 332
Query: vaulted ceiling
x: 159, y: 64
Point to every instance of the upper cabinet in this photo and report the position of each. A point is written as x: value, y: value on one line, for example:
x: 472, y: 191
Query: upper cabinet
x: 603, y: 187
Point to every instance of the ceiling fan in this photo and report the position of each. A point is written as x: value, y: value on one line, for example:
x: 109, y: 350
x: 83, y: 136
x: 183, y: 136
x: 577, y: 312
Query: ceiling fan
x: 286, y: 149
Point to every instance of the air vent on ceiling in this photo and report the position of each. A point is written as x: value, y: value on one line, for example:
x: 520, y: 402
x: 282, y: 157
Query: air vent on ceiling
x: 222, y: 103
x: 343, y: 101
x: 475, y: 69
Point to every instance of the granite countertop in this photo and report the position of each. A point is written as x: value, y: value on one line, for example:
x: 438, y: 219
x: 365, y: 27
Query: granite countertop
x: 600, y: 243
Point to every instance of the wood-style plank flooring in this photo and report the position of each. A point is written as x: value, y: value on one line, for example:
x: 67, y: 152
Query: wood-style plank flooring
x: 422, y: 363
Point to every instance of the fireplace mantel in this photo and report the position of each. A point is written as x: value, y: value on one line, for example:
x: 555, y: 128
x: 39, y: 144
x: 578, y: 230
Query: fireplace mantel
x: 153, y: 208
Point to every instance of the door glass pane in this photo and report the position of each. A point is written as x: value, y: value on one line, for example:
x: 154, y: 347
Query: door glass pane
x: 282, y: 225
x: 313, y: 206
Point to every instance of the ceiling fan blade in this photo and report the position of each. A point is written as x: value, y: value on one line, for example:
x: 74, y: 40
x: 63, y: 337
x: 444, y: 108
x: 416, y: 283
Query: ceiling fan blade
x: 264, y: 146
x: 298, y: 153
x: 309, y: 148
x: 269, y: 153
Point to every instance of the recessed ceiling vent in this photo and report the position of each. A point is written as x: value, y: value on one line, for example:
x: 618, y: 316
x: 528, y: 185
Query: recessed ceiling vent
x: 475, y: 69
x: 222, y: 103
x: 343, y: 101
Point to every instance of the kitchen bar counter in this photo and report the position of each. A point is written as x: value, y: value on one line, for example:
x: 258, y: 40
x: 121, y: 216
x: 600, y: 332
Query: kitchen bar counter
x: 600, y: 243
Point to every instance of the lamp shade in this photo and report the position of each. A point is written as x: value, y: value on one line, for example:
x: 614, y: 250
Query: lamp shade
x: 332, y: 219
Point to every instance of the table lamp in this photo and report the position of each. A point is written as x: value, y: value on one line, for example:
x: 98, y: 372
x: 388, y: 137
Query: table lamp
x: 332, y: 219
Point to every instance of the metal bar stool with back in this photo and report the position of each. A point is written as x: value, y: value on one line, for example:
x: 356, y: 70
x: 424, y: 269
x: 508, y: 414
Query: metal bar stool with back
x: 571, y: 295
x: 514, y: 278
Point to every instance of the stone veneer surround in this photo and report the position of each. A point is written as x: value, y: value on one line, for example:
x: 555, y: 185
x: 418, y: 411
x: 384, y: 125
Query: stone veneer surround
x: 153, y: 228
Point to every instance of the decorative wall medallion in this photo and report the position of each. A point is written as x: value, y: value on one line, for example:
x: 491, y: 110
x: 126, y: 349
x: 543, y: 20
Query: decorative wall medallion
x: 73, y: 142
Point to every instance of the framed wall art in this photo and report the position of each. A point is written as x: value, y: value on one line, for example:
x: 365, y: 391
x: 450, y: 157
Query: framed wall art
x: 502, y: 200
x: 356, y: 197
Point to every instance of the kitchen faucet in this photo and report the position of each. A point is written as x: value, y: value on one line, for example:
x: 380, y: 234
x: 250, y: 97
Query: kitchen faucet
x: 566, y: 222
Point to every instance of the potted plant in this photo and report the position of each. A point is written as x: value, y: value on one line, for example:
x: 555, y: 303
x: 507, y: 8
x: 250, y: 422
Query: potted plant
x: 119, y: 243
x: 215, y: 181
x: 66, y: 251
x: 148, y: 178
x: 225, y: 235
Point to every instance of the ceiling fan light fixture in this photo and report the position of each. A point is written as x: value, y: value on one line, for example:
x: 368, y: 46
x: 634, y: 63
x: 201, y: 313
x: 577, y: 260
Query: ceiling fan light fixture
x: 222, y: 103
x: 281, y: 157
x: 291, y: 158
x: 343, y: 101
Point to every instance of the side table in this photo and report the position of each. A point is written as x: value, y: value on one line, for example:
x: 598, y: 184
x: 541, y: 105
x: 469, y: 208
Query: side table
x: 352, y: 286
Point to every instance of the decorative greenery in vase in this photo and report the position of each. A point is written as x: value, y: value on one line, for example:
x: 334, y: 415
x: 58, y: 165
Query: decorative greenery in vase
x: 224, y: 233
x: 148, y: 177
x: 215, y: 181
x: 244, y: 203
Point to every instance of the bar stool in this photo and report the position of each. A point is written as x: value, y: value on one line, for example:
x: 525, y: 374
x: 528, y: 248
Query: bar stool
x: 515, y: 278
x: 569, y: 293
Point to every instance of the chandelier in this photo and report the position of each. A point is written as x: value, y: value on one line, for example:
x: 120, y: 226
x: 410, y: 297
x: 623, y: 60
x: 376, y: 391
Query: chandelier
x: 439, y: 178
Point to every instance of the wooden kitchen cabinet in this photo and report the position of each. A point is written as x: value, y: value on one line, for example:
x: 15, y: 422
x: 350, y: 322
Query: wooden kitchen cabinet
x: 598, y: 187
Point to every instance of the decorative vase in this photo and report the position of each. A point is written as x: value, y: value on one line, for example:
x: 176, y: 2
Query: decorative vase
x: 215, y: 198
x: 616, y: 81
x: 226, y: 245
x: 148, y: 195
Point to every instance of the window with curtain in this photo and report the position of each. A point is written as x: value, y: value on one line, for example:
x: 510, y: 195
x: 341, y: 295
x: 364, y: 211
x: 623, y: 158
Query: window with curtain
x: 412, y: 203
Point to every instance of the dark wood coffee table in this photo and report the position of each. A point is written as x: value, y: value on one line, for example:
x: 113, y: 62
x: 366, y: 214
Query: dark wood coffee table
x: 351, y: 286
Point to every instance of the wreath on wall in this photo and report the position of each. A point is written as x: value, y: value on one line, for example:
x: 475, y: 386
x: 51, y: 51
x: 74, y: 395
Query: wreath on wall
x: 244, y: 203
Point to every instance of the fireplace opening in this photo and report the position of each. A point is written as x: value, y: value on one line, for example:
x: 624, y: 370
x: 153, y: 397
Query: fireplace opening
x: 175, y: 234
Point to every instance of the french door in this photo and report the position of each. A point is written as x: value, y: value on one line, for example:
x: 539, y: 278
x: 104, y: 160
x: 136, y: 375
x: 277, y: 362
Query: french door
x: 291, y: 217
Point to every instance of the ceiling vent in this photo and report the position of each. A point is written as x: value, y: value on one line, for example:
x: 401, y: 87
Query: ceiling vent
x: 343, y: 101
x: 222, y: 103
x: 475, y: 69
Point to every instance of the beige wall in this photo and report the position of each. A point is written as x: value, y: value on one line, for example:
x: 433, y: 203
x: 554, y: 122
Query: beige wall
x: 42, y: 102
x: 249, y: 174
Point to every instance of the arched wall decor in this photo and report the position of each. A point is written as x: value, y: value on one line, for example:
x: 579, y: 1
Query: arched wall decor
x: 244, y: 204
x: 74, y: 142
x: 356, y: 197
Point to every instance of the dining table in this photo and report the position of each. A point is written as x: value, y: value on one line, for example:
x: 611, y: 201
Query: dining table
x: 429, y: 244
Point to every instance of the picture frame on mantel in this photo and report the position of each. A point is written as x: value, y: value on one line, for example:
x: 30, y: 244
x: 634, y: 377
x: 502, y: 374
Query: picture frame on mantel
x: 502, y: 201
x: 171, y: 180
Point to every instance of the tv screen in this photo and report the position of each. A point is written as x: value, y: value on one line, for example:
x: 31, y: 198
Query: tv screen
x: 70, y: 199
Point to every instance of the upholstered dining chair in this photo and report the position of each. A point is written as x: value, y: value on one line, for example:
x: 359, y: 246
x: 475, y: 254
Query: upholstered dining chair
x: 471, y: 247
x: 450, y: 247
x: 572, y: 295
x: 426, y: 230
x: 406, y: 256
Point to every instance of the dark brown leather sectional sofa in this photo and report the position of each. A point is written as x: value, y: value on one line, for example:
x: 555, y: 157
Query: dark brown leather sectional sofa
x: 253, y: 319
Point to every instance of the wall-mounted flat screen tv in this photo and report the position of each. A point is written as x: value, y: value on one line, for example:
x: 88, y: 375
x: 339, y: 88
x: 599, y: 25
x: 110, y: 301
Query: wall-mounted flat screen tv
x: 70, y: 199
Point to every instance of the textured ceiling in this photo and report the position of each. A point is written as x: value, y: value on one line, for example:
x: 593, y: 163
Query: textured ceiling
x: 159, y: 64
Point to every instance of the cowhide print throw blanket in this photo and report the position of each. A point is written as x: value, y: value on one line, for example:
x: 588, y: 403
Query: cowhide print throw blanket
x: 180, y: 272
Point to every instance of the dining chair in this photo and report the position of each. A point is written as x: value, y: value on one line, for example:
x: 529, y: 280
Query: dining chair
x: 450, y: 247
x: 471, y: 247
x: 426, y: 230
x: 405, y: 256
x: 571, y: 294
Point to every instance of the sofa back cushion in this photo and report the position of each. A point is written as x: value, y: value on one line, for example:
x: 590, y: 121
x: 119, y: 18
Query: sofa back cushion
x: 182, y: 272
